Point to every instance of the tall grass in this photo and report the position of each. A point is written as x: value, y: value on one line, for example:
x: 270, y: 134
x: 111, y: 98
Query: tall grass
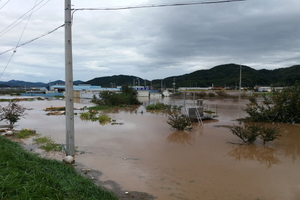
x: 25, y: 176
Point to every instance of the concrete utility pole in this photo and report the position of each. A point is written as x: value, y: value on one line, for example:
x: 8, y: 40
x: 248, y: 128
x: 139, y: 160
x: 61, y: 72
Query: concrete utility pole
x: 70, y: 147
x: 240, y: 88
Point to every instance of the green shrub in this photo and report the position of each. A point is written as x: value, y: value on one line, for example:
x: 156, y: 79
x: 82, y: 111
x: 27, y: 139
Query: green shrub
x: 283, y: 107
x: 178, y: 121
x: 250, y: 131
x: 127, y: 96
x: 269, y: 133
x: 246, y: 133
x: 103, y: 119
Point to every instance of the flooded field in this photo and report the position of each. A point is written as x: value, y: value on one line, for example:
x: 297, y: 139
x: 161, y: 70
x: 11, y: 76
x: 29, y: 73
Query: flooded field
x: 145, y: 155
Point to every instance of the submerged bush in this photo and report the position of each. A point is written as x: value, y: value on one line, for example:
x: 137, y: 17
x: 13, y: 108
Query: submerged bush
x: 179, y: 122
x: 127, y: 96
x: 283, y: 107
x: 163, y: 107
x: 158, y: 106
x: 94, y: 116
x: 246, y: 133
x: 249, y: 132
x: 103, y: 119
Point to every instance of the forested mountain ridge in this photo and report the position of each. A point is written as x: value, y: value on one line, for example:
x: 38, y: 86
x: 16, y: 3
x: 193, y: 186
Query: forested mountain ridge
x: 226, y: 75
x: 229, y: 75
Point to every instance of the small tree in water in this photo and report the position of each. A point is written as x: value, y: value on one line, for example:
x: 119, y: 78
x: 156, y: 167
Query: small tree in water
x: 249, y: 132
x: 283, y: 107
x: 12, y: 112
x: 178, y: 121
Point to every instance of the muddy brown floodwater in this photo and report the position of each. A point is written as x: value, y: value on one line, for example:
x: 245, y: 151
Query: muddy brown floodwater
x: 145, y: 155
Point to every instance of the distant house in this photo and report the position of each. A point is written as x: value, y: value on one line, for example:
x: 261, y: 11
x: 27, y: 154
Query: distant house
x: 264, y: 89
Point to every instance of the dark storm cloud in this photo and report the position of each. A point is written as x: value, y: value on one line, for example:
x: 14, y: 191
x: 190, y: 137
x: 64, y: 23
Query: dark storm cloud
x: 158, y: 42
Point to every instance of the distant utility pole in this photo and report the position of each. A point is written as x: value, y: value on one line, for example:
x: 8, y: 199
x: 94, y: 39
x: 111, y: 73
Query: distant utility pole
x: 174, y: 84
x: 70, y: 147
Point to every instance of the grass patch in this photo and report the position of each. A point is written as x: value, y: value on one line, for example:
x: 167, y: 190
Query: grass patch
x: 24, y: 175
x: 25, y: 133
x: 100, y: 107
x: 93, y: 116
x: 47, y: 144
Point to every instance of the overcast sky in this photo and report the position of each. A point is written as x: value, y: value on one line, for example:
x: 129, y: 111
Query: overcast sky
x: 151, y: 43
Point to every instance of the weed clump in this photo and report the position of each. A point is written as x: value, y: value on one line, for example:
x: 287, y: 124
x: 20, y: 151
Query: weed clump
x: 93, y: 115
x: 25, y: 133
x: 47, y: 144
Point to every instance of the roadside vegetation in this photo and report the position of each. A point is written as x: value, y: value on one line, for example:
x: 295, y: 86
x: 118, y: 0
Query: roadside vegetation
x: 24, y: 175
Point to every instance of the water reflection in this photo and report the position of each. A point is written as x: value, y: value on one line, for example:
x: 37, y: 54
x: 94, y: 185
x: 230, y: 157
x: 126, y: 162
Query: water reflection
x: 290, y: 140
x: 263, y: 154
x: 182, y: 137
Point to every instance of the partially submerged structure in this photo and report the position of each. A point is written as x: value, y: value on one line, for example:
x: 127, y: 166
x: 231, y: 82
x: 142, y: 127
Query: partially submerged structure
x: 196, y: 112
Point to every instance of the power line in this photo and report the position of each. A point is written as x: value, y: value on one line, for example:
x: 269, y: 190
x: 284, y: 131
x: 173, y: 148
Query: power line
x: 12, y: 25
x: 18, y: 41
x: 160, y: 5
x: 4, y: 4
x: 33, y: 39
x: 26, y: 25
x: 7, y: 63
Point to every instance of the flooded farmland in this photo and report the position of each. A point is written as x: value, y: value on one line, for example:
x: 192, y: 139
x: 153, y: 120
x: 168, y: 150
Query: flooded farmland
x: 143, y: 154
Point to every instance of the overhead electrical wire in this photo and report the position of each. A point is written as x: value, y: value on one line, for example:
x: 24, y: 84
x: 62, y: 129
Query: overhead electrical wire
x: 15, y: 50
x: 4, y: 4
x: 16, y: 22
x: 160, y: 5
x: 123, y: 8
x: 33, y: 39
x: 25, y: 26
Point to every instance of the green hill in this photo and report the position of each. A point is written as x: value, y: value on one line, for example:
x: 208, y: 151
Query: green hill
x: 220, y: 76
x: 117, y: 80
